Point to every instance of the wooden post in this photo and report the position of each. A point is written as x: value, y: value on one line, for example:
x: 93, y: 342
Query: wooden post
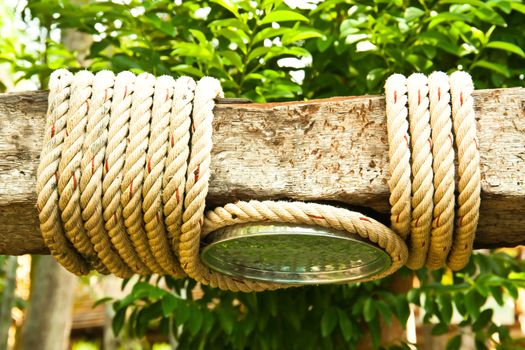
x: 322, y: 150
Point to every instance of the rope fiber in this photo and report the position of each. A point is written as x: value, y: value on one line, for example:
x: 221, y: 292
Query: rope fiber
x: 125, y: 165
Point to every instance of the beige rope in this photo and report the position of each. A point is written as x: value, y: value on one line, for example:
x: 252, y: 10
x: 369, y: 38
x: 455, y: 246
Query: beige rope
x: 131, y: 192
x: 399, y: 154
x: 443, y: 166
x: 198, y: 174
x: 93, y: 151
x: 469, y: 184
x: 113, y: 171
x: 69, y: 169
x: 443, y: 239
x: 174, y: 180
x: 422, y: 182
x: 154, y: 170
x: 47, y: 175
x: 135, y: 160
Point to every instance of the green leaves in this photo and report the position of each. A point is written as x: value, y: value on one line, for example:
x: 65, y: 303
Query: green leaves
x: 412, y: 13
x: 369, y: 311
x: 182, y: 312
x: 483, y: 320
x: 195, y: 322
x: 102, y: 301
x: 375, y: 77
x: 118, y: 321
x: 169, y: 304
x: 229, y: 5
x: 440, y: 329
x: 300, y: 33
x: 347, y: 327
x: 495, y: 67
x: 161, y: 25
x: 315, y: 317
x: 454, y: 343
x: 329, y: 321
x: 226, y: 319
x: 505, y: 46
x: 283, y: 16
x: 445, y: 307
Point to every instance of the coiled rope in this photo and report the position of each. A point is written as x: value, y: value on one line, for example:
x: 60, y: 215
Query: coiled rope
x: 430, y: 207
x: 125, y: 165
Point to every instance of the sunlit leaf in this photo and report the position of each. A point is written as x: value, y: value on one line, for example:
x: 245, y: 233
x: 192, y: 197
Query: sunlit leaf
x: 300, y: 34
x: 412, y: 13
x: 228, y: 5
x: 495, y: 67
x: 505, y: 46
x: 283, y: 16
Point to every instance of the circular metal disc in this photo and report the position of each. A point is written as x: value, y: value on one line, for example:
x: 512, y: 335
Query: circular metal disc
x: 293, y: 254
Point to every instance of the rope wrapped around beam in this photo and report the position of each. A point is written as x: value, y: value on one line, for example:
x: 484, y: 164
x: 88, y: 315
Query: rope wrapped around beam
x: 125, y: 165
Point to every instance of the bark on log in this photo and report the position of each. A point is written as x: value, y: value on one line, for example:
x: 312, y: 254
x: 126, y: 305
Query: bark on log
x: 324, y: 150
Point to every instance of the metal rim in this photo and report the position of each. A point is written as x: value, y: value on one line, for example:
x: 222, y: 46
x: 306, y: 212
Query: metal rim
x: 292, y: 254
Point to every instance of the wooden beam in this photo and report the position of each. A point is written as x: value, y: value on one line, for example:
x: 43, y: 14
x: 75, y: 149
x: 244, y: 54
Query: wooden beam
x: 324, y: 150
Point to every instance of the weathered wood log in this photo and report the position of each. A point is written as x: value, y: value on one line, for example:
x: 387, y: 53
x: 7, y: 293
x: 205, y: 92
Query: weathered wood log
x: 323, y: 150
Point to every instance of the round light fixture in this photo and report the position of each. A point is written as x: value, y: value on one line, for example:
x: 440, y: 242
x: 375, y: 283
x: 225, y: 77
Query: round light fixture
x: 292, y: 254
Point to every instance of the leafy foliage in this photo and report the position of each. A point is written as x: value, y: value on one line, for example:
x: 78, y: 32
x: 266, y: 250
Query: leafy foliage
x: 327, y: 317
x: 305, y: 318
x: 257, y: 48
x: 365, y: 41
x: 268, y: 50
x: 466, y: 293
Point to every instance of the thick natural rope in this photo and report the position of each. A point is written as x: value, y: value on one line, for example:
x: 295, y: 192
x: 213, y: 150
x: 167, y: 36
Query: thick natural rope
x: 469, y: 184
x: 198, y: 174
x: 118, y: 130
x: 174, y: 179
x: 131, y: 191
x: 135, y: 160
x: 154, y: 170
x: 47, y: 175
x: 69, y: 168
x: 399, y: 154
x: 443, y: 166
x: 442, y: 237
x: 422, y: 182
x: 93, y: 152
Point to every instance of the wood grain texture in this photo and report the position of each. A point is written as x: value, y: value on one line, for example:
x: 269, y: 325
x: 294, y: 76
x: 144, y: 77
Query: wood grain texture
x: 323, y: 150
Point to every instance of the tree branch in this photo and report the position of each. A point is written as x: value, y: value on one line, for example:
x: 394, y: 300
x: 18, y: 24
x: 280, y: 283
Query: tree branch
x: 323, y: 150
